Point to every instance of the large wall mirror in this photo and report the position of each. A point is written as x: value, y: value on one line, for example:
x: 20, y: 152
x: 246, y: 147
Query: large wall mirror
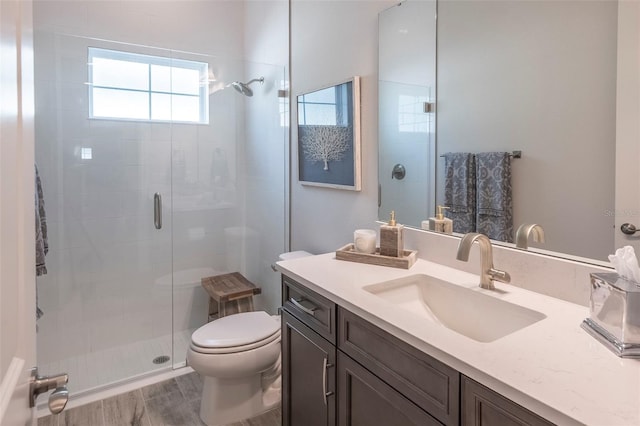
x: 540, y: 77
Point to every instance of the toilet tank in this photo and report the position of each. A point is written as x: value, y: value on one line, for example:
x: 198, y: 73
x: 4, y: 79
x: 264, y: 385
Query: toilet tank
x: 294, y: 255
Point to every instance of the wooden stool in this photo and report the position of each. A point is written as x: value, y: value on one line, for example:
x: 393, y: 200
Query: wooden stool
x: 229, y: 294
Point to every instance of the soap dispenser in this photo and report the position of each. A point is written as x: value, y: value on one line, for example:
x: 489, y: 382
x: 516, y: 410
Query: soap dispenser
x: 391, y: 241
x: 440, y: 223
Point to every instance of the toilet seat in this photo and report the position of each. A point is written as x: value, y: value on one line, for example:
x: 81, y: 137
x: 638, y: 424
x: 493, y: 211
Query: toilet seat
x: 236, y: 333
x: 235, y: 349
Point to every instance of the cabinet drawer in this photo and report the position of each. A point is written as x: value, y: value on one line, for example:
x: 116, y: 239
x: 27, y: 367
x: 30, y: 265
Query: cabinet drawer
x: 317, y: 312
x: 483, y: 407
x: 430, y: 384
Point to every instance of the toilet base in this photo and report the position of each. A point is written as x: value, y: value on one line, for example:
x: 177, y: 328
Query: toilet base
x: 227, y: 401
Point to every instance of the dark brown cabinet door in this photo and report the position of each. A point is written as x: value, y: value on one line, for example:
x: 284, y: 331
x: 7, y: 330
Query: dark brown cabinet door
x: 365, y: 400
x: 308, y: 376
x: 428, y: 383
x: 483, y: 407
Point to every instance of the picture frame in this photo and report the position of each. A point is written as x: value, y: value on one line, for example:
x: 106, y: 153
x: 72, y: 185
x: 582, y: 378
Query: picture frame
x: 329, y: 136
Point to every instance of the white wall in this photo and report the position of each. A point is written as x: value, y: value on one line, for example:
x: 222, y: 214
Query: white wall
x: 548, y: 89
x: 331, y: 41
x: 189, y: 25
x: 266, y: 31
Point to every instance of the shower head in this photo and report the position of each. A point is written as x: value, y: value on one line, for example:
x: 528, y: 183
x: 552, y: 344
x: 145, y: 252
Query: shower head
x: 244, y: 87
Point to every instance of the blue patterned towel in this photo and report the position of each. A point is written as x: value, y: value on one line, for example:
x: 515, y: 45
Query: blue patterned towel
x: 460, y: 190
x: 42, y: 240
x: 494, y: 216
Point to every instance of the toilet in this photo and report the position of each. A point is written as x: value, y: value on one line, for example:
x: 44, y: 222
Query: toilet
x: 239, y: 359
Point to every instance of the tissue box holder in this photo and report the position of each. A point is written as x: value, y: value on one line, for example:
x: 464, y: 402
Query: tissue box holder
x: 615, y: 314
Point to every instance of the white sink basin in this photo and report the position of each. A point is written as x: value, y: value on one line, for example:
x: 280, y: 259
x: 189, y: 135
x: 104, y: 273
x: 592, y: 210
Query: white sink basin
x: 466, y: 311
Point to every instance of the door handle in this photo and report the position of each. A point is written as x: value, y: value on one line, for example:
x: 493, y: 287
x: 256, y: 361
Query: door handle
x: 629, y: 229
x: 157, y: 210
x: 325, y: 394
x: 41, y: 384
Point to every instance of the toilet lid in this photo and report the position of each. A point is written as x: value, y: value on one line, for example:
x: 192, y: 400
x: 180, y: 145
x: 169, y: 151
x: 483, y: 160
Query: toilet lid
x: 236, y: 330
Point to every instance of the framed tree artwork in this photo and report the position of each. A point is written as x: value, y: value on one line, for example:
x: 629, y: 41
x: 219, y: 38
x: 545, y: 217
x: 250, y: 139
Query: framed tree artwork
x: 329, y: 136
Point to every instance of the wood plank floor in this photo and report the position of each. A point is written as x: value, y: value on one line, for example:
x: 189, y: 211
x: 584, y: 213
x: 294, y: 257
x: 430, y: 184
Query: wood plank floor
x: 174, y: 402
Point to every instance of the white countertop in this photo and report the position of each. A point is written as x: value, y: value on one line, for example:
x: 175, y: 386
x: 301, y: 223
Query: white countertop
x: 552, y: 367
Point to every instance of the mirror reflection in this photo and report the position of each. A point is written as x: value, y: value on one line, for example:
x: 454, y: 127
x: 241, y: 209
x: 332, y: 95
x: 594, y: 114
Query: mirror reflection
x: 406, y: 87
x: 536, y: 77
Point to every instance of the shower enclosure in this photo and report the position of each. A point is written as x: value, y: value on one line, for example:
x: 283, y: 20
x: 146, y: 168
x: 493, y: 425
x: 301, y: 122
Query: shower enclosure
x: 152, y: 180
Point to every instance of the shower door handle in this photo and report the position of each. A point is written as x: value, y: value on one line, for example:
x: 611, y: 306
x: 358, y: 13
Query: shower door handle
x: 157, y: 210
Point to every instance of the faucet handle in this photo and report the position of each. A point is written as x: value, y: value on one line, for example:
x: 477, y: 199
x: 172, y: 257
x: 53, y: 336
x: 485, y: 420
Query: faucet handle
x: 498, y: 275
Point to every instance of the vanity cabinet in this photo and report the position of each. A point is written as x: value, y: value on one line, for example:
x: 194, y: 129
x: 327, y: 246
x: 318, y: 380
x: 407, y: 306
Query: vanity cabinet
x: 483, y: 407
x: 334, y: 360
x: 308, y: 357
x: 338, y: 368
x: 308, y: 379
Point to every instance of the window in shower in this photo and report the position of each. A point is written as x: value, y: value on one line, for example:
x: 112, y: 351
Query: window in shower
x: 132, y: 86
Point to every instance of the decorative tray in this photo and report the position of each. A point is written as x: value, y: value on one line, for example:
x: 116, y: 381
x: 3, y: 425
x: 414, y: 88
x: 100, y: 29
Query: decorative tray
x: 348, y: 253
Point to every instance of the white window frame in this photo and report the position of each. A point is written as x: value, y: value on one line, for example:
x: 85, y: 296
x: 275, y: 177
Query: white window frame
x: 201, y: 67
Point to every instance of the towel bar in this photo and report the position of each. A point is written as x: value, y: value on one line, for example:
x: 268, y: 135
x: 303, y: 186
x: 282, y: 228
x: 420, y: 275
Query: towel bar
x: 514, y: 154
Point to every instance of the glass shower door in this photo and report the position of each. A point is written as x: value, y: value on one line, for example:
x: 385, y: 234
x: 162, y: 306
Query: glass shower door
x: 107, y: 295
x: 205, y: 197
x: 229, y: 191
x: 122, y: 295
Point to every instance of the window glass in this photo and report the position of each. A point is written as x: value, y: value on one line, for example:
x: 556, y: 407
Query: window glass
x: 183, y: 107
x: 160, y: 78
x: 126, y: 85
x: 161, y: 106
x: 120, y: 104
x: 120, y: 74
x: 185, y: 81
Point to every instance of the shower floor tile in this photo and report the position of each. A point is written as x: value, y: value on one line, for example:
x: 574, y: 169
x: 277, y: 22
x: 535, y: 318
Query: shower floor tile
x: 172, y: 402
x: 97, y: 369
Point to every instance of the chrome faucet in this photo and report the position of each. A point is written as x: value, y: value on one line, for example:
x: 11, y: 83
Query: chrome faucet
x: 488, y: 274
x: 523, y: 232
